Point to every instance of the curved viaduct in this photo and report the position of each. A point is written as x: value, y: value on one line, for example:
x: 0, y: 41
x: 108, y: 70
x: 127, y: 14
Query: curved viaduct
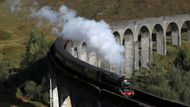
x: 138, y: 37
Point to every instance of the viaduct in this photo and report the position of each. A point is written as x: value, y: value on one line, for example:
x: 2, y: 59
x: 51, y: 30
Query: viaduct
x: 140, y: 38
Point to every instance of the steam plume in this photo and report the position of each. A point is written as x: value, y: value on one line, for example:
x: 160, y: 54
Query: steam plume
x: 97, y: 35
x: 15, y: 5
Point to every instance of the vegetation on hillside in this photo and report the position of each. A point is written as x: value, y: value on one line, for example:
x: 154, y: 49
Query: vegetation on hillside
x: 23, y: 68
x: 169, y: 75
x: 27, y: 85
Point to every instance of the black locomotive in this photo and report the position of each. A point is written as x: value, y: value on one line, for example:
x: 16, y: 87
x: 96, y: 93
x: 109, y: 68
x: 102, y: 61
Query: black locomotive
x: 105, y: 79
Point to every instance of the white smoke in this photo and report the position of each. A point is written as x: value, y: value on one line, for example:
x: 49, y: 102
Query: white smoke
x: 15, y: 5
x: 97, y: 35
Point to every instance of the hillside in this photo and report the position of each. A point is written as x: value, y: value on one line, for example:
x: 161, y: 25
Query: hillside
x: 116, y: 10
x: 16, y: 33
x: 19, y: 27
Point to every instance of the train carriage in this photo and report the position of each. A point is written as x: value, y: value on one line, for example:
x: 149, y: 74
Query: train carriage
x: 104, y: 79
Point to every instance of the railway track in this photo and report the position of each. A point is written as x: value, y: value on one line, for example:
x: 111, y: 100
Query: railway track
x: 140, y: 99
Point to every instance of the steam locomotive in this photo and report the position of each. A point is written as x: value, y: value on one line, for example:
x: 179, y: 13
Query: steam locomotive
x: 102, y: 78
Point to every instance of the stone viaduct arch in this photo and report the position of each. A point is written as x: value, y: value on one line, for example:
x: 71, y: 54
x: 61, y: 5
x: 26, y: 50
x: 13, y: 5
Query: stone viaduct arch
x: 186, y: 28
x: 117, y: 37
x: 84, y: 53
x: 173, y: 31
x: 75, y: 52
x: 113, y: 67
x: 128, y: 42
x: 158, y: 39
x: 144, y: 46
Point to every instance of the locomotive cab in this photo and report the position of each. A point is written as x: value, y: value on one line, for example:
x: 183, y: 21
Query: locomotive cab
x: 126, y: 88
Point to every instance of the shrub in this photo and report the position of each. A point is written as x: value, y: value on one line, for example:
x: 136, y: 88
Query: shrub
x: 183, y: 58
x: 5, y: 66
x: 30, y: 89
x: 46, y: 97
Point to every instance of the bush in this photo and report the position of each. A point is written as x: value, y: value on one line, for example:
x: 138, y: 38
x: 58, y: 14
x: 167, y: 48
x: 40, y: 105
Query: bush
x: 46, y: 97
x: 30, y: 89
x: 163, y: 90
x: 185, y: 96
x: 173, y: 84
x: 183, y: 58
x: 175, y: 80
x: 5, y: 66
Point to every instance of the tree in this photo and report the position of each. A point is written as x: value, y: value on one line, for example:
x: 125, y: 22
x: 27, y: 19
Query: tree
x: 36, y: 48
x: 30, y: 89
x: 31, y: 41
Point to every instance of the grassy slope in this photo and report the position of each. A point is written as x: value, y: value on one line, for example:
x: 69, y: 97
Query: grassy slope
x: 18, y: 28
x: 115, y: 10
x: 13, y: 36
x: 15, y: 29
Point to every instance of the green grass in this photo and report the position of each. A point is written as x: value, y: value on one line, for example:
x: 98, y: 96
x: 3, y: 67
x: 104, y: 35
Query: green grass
x: 15, y: 29
x: 11, y: 51
x: 5, y: 35
x: 115, y: 10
